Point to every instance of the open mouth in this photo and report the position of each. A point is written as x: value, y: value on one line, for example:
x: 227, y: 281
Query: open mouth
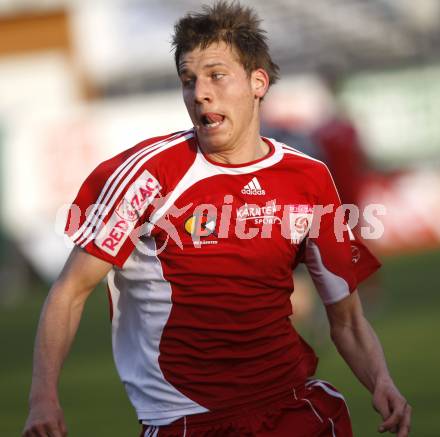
x: 211, y: 120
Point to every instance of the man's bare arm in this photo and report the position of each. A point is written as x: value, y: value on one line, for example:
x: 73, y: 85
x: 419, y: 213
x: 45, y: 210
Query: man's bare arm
x: 358, y: 344
x: 58, y: 324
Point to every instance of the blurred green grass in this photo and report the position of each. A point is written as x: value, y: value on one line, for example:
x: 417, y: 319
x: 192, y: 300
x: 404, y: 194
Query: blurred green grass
x: 405, y: 316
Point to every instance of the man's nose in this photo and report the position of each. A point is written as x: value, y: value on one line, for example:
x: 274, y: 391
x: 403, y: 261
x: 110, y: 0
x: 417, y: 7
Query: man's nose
x: 202, y: 91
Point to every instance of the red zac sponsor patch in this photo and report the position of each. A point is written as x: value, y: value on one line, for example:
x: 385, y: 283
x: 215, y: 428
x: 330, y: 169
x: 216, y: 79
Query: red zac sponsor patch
x: 137, y: 197
x: 116, y: 234
x: 123, y: 220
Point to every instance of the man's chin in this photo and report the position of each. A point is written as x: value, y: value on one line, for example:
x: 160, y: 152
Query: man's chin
x: 211, y: 142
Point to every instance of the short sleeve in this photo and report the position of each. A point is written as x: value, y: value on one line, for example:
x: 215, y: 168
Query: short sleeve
x: 107, y: 215
x: 336, y: 259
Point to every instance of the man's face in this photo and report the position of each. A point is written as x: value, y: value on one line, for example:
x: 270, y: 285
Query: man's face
x: 221, y: 98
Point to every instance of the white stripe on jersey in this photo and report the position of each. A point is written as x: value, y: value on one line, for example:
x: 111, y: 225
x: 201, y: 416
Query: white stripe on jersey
x: 151, y: 431
x: 333, y: 427
x: 93, y: 226
x: 114, y: 179
x: 331, y: 287
x: 148, y: 432
x: 286, y: 147
x: 291, y: 151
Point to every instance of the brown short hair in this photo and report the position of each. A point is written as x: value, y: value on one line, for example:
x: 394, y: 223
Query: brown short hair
x: 232, y: 23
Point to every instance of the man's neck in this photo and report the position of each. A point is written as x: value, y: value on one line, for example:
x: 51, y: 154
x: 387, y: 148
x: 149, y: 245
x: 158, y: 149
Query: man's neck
x: 248, y: 151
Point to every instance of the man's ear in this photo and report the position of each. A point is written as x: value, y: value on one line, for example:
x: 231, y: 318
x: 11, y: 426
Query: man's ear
x: 260, y: 82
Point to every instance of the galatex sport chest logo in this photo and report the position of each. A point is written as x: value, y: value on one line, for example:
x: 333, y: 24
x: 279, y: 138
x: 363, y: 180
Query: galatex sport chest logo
x: 259, y: 214
x: 123, y: 220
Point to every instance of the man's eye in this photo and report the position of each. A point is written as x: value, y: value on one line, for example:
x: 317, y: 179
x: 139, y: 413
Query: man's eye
x: 217, y: 76
x: 187, y: 82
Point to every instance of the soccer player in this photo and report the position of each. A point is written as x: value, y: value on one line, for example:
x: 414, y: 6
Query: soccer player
x: 198, y: 233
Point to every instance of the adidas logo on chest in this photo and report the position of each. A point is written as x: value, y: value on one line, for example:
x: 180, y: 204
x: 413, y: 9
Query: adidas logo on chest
x: 253, y: 188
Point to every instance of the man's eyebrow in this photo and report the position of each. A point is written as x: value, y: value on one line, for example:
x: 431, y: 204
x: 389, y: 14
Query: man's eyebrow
x: 214, y: 64
x: 184, y: 70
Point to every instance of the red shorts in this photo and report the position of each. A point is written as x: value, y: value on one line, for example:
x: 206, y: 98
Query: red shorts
x: 315, y: 410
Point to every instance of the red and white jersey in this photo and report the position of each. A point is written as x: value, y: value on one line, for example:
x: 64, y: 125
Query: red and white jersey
x: 203, y: 255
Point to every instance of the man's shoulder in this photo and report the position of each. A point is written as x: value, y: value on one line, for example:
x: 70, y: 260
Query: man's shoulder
x: 141, y: 170
x: 154, y: 146
x: 299, y: 160
x: 148, y: 152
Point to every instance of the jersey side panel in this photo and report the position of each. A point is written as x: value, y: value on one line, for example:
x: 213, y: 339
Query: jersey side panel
x: 142, y: 301
x: 328, y: 250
